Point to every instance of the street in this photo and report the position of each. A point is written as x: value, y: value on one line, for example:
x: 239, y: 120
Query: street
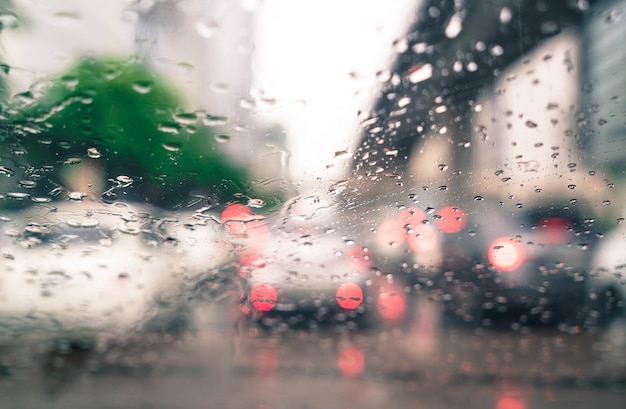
x: 422, y: 366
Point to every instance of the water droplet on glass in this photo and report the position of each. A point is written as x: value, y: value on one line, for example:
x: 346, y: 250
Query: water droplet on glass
x: 143, y: 86
x: 76, y: 196
x: 8, y: 20
x: 185, y: 118
x: 531, y: 124
x: 222, y: 138
x: 28, y: 184
x: 93, y: 153
x: 206, y: 30
x: 169, y: 127
x: 124, y: 180
x: 478, y: 198
x: 443, y: 167
x: 571, y: 187
x: 606, y: 202
x: 6, y: 171
x: 172, y: 146
x: 615, y: 16
x: 212, y: 120
x: 505, y: 15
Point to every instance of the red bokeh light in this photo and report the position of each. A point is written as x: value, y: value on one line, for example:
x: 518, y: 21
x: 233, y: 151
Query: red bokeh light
x: 349, y: 296
x: 351, y: 361
x: 391, y: 303
x: 554, y: 230
x: 423, y: 238
x: 391, y: 233
x: 451, y: 219
x: 358, y: 259
x: 506, y: 254
x: 263, y: 297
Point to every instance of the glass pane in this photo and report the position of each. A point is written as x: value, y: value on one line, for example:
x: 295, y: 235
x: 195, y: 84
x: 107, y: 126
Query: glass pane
x: 280, y: 204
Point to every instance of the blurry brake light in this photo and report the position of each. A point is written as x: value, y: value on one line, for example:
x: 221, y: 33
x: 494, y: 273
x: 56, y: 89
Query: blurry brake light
x: 391, y: 303
x: 351, y: 361
x: 263, y: 297
x: 554, y: 229
x: 359, y: 259
x: 506, y: 254
x: 412, y: 217
x: 451, y: 219
x: 391, y: 233
x: 349, y: 296
x: 422, y: 238
x: 246, y: 226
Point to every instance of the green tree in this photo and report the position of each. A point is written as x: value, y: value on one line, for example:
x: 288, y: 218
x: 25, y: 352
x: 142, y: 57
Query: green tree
x: 123, y: 118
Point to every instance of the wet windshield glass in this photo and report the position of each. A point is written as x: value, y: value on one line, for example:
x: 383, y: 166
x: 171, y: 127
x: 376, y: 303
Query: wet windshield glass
x: 280, y: 204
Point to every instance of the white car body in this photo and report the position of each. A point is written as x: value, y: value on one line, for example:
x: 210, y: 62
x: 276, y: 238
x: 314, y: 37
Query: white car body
x: 78, y: 269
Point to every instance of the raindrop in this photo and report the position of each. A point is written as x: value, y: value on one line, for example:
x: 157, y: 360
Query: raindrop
x: 430, y: 210
x: 478, y: 198
x: 606, y: 202
x: 443, y: 187
x: 498, y: 172
x: 531, y: 124
x: 172, y: 146
x: 615, y: 16
x: 124, y: 180
x: 143, y: 86
x: 571, y: 187
x: 213, y: 120
x: 185, y: 118
x: 443, y: 167
x: 422, y: 74
x: 206, y: 30
x: 28, y: 184
x: 256, y: 203
x: 41, y: 199
x: 93, y: 153
x: 18, y: 195
x: 8, y: 20
x: 169, y: 127
x: 76, y: 196
x: 505, y: 15
x: 455, y: 26
x: 497, y: 50
x: 222, y: 138
x: 6, y: 171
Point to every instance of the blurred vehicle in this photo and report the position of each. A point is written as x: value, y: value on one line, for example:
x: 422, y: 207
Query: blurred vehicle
x: 475, y: 129
x: 82, y: 271
x: 607, y: 279
x: 303, y: 274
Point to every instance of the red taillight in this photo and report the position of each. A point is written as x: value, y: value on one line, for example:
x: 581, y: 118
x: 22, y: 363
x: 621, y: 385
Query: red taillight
x: 351, y: 361
x: 451, y: 219
x: 391, y: 233
x: 349, y: 296
x: 263, y: 297
x: 422, y: 238
x: 358, y: 259
x: 245, y: 226
x: 554, y: 230
x: 506, y: 254
x: 391, y: 303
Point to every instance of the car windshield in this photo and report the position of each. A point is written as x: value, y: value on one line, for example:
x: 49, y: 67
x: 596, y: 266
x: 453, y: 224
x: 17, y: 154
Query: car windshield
x: 279, y: 204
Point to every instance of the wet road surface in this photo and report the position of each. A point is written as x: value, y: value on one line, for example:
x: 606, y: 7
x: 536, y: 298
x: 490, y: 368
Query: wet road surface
x: 421, y: 366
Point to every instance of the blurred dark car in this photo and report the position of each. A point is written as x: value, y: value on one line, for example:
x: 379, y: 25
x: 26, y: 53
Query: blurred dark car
x: 475, y: 135
x: 301, y: 273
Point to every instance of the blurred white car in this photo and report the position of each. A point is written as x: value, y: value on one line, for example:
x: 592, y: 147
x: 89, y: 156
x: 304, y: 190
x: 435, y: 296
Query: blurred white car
x: 80, y: 269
